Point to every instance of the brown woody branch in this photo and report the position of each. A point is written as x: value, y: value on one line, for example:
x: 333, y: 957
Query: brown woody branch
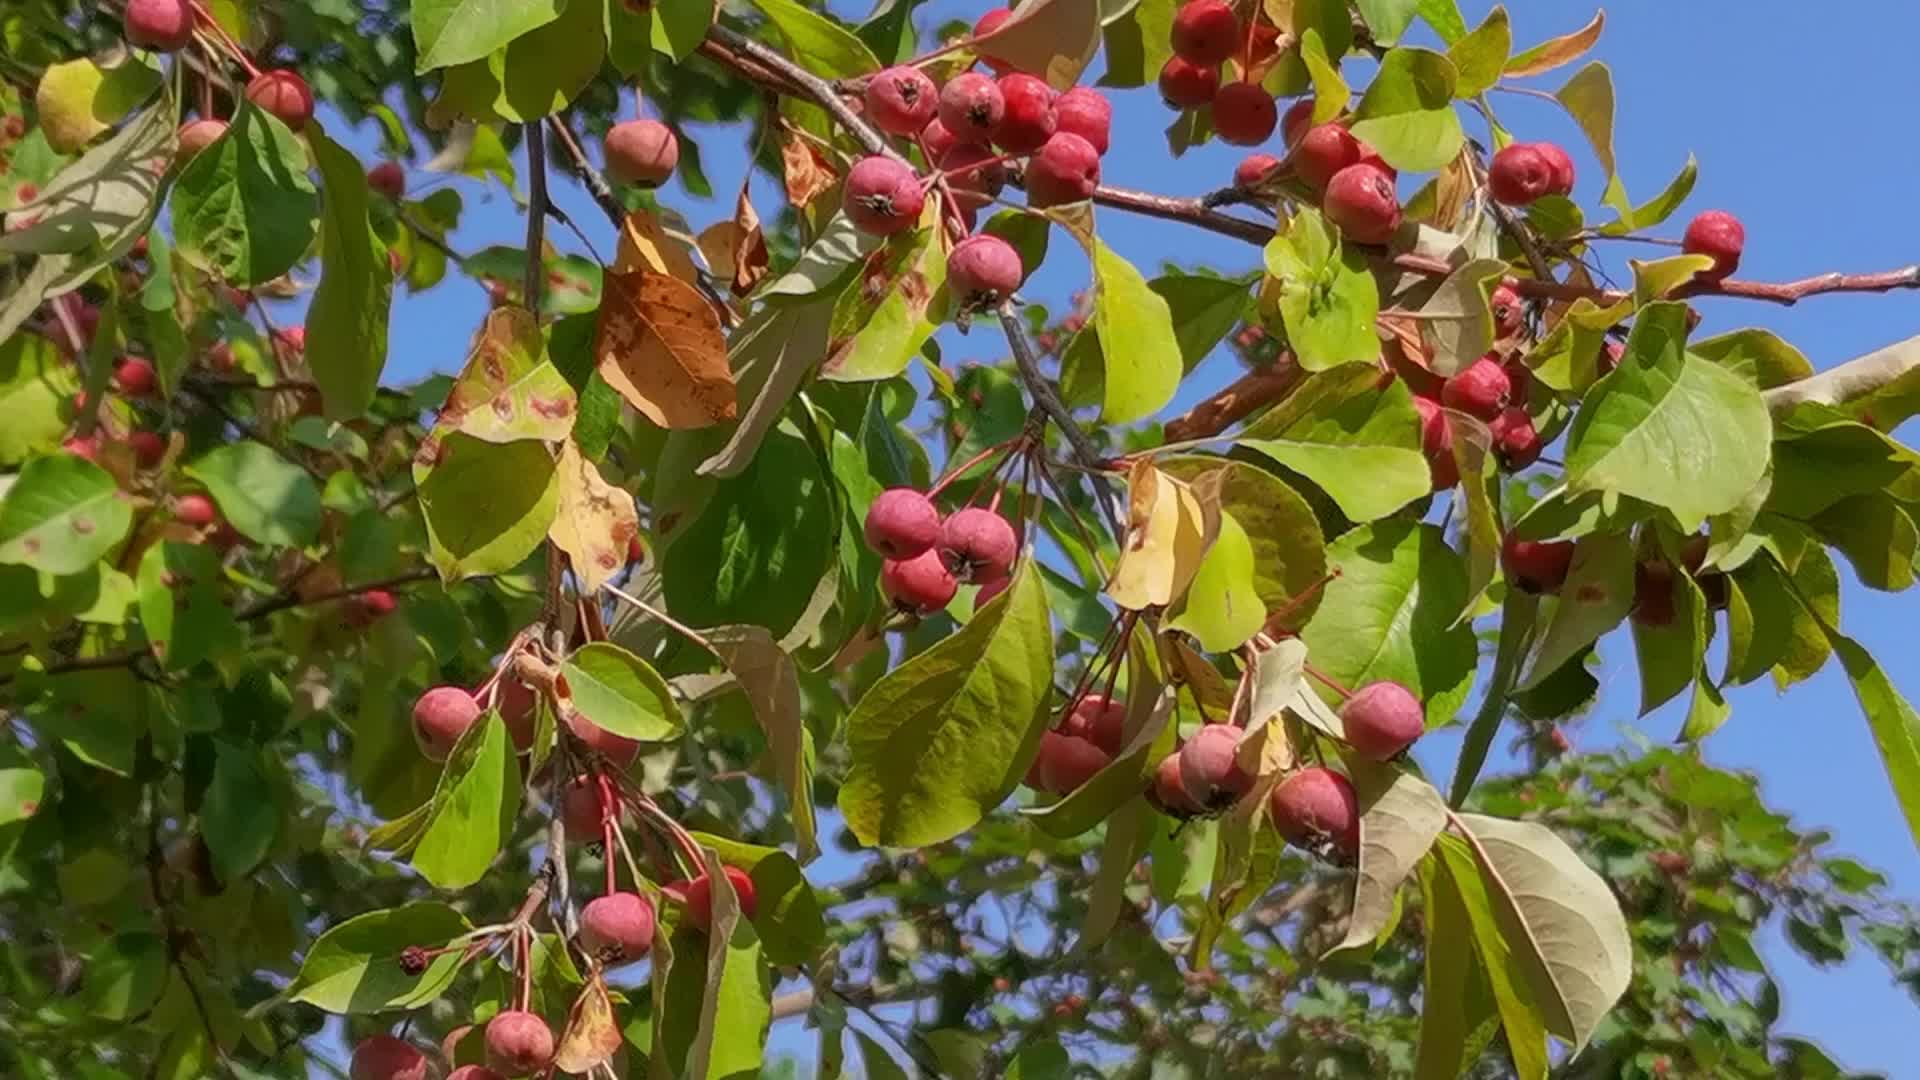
x: 1236, y: 401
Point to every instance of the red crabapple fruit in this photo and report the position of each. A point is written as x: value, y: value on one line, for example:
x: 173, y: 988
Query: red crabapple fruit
x: 617, y: 749
x: 1382, y: 719
x: 1562, y: 167
x: 618, y: 926
x: 699, y: 897
x: 519, y: 711
x: 1322, y: 153
x: 1718, y: 234
x: 581, y: 809
x: 883, y: 196
x: 518, y: 1043
x: 981, y: 541
x: 388, y: 179
x: 1030, y: 118
x: 195, y: 509
x: 1067, y: 762
x: 1206, y: 32
x: 982, y: 271
x: 1254, y: 168
x: 160, y: 25
x: 195, y: 137
x: 1066, y: 170
x: 643, y: 152
x: 1361, y: 201
x: 902, y: 523
x: 284, y: 94
x: 1316, y: 809
x: 1520, y: 174
x: 971, y: 106
x: 1169, y: 792
x: 1508, y: 312
x: 1101, y: 721
x: 988, y: 23
x: 440, y: 717
x: 921, y: 585
x: 148, y: 448
x: 1297, y: 121
x: 1515, y: 440
x: 1085, y: 112
x: 1653, y: 589
x: 1244, y: 114
x: 901, y: 100
x: 1536, y: 566
x: 937, y: 140
x: 974, y: 173
x: 1185, y: 85
x: 1436, y: 442
x: 1207, y: 767
x: 385, y: 1057
x: 135, y: 376
x: 1481, y: 389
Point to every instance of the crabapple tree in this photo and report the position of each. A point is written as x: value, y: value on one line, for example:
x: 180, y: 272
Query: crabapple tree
x: 709, y: 651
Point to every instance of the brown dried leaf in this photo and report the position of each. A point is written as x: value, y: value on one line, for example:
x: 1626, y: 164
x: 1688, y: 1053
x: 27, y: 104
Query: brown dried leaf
x: 1169, y: 528
x: 750, y: 257
x: 1055, y: 39
x: 1453, y: 187
x: 594, y: 522
x: 808, y: 173
x: 645, y: 244
x: 592, y: 1034
x: 659, y: 344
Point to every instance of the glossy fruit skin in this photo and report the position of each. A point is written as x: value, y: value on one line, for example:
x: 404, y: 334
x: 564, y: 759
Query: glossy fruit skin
x: 148, y: 448
x: 388, y: 179
x: 1066, y: 170
x: 988, y: 23
x: 1382, y: 719
x: 285, y: 95
x: 980, y: 541
x: 135, y: 376
x: 1244, y: 114
x: 973, y: 175
x: 1322, y: 153
x: 1253, y: 168
x: 1536, y: 566
x: 1370, y: 156
x: 1481, y: 389
x: 1436, y: 442
x: 160, y: 25
x: 902, y: 523
x: 642, y: 152
x: 220, y: 357
x: 1515, y: 441
x: 440, y: 717
x: 901, y: 100
x: 195, y: 137
x: 1297, y: 121
x: 921, y: 585
x: 1362, y: 202
x: 1066, y: 762
x: 1509, y: 314
x: 1316, y: 809
x: 1029, y: 119
x: 195, y: 509
x: 520, y: 710
x: 1186, y: 85
x: 1085, y: 112
x: 581, y: 809
x: 518, y: 1043
x: 617, y: 749
x: 1101, y: 721
x: 1207, y: 767
x: 1169, y: 794
x: 1562, y: 168
x: 1519, y: 174
x: 385, y: 1057
x: 883, y: 196
x: 1718, y: 234
x: 982, y: 270
x: 937, y: 140
x: 699, y: 897
x: 971, y: 106
x: 1205, y: 32
x: 617, y: 927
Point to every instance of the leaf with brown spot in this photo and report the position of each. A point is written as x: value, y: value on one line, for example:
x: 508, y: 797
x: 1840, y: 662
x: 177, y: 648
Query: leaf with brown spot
x: 659, y: 344
x: 508, y: 389
x: 807, y: 171
x: 737, y: 249
x: 647, y: 244
x: 592, y: 1035
x: 594, y: 522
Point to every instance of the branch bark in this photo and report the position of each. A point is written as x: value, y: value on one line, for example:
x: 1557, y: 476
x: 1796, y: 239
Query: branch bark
x: 1236, y: 401
x: 1048, y: 399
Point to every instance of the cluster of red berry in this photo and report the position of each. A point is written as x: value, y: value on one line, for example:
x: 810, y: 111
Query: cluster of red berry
x: 927, y: 555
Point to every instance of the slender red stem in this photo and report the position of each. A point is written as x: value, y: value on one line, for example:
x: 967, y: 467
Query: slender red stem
x: 202, y: 15
x: 1328, y: 681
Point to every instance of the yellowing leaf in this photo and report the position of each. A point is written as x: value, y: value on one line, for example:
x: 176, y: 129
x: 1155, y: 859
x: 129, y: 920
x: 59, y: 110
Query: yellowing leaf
x: 592, y: 1035
x: 1559, y: 51
x: 659, y: 343
x: 595, y: 520
x: 1054, y: 39
x: 79, y: 99
x: 508, y: 390
x: 1168, y: 531
x: 645, y: 244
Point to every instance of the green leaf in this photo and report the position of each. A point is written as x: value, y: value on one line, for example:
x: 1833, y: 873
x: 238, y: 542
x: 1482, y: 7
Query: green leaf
x: 787, y: 913
x: 678, y: 29
x: 508, y: 389
x: 1138, y: 43
x: 760, y: 544
x: 1895, y: 725
x: 1877, y: 536
x: 1518, y: 614
x: 347, y: 323
x: 125, y: 976
x: 1658, y: 278
x: 542, y: 71
x: 1480, y: 56
x: 20, y: 791
x: 819, y: 44
x: 1559, y: 51
x: 943, y: 738
x: 1673, y: 430
x: 1135, y: 328
x: 1597, y: 594
x: 1407, y: 113
x: 1500, y: 961
x: 771, y: 681
x: 243, y: 208
x: 267, y: 498
x: 1289, y: 552
x: 1400, y: 817
x: 619, y: 692
x: 1816, y: 469
x: 1328, y: 297
x: 1561, y: 919
x: 1330, y: 91
x: 1221, y: 608
x: 1658, y: 209
x: 1444, y: 17
x: 1360, y: 443
x: 1390, y: 615
x: 239, y: 817
x: 473, y: 807
x: 1456, y: 1002
x: 1588, y: 98
x: 1204, y: 309
x: 1125, y: 840
x: 449, y: 32
x: 180, y: 605
x: 61, y: 515
x: 78, y: 100
x: 890, y: 309
x: 718, y: 994
x: 1387, y: 19
x: 1457, y: 320
x: 35, y: 383
x: 1671, y: 656
x: 486, y: 505
x: 1761, y: 357
x: 355, y: 966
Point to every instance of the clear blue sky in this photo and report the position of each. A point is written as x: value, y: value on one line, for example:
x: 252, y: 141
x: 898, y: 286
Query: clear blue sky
x: 1800, y: 117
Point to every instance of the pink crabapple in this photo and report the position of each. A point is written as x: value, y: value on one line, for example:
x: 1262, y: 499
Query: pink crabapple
x: 642, y: 152
x: 981, y: 542
x: 902, y: 523
x: 388, y: 179
x: 1085, y: 112
x: 386, y: 1057
x: 1717, y: 234
x: 618, y: 926
x: 518, y: 1043
x: 1208, y: 769
x: 698, y: 897
x: 921, y: 585
x: 160, y: 25
x: 284, y: 94
x: 195, y: 137
x: 1185, y: 85
x: 1029, y: 117
x: 1382, y: 719
x: 1316, y: 809
x: 1244, y: 114
x: 901, y: 100
x: 1536, y: 566
x: 1481, y: 389
x: 1205, y: 32
x: 983, y: 270
x: 1519, y: 174
x: 972, y: 106
x: 440, y: 717
x: 883, y: 196
x: 1361, y: 200
x: 1066, y: 170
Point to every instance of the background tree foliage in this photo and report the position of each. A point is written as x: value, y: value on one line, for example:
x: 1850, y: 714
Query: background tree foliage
x: 643, y: 496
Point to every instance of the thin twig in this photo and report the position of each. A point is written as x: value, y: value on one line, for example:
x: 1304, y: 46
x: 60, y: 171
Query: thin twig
x: 818, y: 89
x: 590, y: 178
x: 536, y: 214
x: 1048, y: 399
x: 283, y: 600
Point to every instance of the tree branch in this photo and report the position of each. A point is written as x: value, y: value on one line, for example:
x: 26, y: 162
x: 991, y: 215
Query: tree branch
x: 1044, y: 395
x: 819, y: 90
x: 1236, y: 401
x: 536, y: 214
